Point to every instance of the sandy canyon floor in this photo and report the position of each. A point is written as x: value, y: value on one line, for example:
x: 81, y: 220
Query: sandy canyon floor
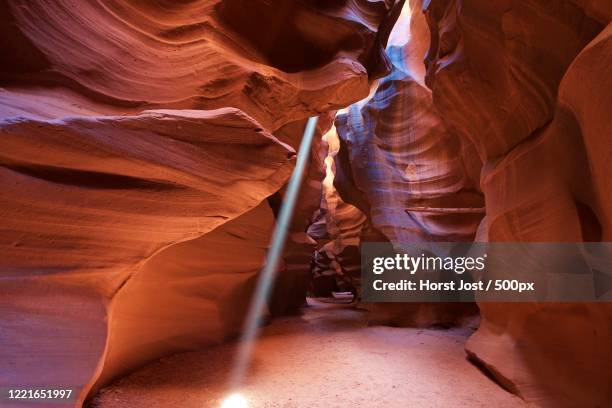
x: 328, y: 357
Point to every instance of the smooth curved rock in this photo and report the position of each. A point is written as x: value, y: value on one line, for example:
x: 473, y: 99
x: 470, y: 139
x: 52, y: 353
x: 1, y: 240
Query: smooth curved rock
x: 135, y: 131
x: 409, y: 165
x: 506, y: 58
x: 187, y: 296
x: 294, y: 277
x: 569, y: 201
x: 205, y: 54
x: 528, y: 82
x: 87, y: 200
x: 418, y: 181
x: 337, y: 229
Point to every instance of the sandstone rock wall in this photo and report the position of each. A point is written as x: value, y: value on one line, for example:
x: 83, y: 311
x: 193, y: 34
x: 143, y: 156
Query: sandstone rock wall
x: 136, y: 136
x: 295, y: 275
x: 409, y: 166
x: 409, y: 171
x: 337, y: 229
x: 203, y: 283
x: 523, y: 87
x: 525, y: 82
x: 87, y: 200
x: 516, y: 127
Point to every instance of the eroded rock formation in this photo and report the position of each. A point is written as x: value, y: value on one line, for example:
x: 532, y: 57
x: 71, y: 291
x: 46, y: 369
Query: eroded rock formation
x: 410, y: 173
x: 408, y: 165
x: 294, y: 277
x: 337, y: 230
x: 136, y: 142
x: 87, y: 200
x: 203, y: 283
x: 521, y: 101
x: 135, y: 54
x: 145, y: 145
x: 528, y: 83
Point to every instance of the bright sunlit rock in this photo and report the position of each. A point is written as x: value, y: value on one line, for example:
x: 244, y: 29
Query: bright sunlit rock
x: 235, y: 401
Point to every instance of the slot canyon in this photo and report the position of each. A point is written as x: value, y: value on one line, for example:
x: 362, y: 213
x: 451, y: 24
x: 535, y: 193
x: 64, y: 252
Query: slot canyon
x: 146, y: 153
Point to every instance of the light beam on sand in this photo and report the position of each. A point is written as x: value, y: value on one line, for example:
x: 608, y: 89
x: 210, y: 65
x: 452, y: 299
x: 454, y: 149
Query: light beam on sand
x: 235, y: 401
x: 267, y: 275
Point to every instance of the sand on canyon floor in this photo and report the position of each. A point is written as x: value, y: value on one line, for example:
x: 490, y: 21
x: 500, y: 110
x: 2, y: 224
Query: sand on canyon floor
x: 328, y: 357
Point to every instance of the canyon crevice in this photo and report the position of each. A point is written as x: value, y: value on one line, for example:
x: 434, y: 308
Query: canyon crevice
x: 145, y: 149
x: 137, y: 146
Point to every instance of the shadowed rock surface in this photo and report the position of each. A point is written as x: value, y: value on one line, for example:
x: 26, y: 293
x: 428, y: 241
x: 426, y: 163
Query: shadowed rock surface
x: 294, y: 277
x: 337, y: 228
x: 137, y: 157
x: 512, y: 77
x: 411, y: 175
x: 145, y: 146
x: 184, y: 55
x: 86, y: 201
x: 511, y: 133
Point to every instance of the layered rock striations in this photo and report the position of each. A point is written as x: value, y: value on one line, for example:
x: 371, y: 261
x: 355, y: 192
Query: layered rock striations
x: 337, y: 229
x: 86, y: 201
x: 137, y: 153
x: 192, y: 294
x: 511, y: 144
x: 410, y: 173
x: 408, y: 165
x: 145, y: 145
x: 529, y: 84
x: 204, y: 54
x: 294, y: 275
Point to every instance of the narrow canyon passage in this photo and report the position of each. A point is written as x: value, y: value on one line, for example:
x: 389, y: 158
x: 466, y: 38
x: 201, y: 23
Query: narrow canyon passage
x: 327, y: 357
x: 149, y: 150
